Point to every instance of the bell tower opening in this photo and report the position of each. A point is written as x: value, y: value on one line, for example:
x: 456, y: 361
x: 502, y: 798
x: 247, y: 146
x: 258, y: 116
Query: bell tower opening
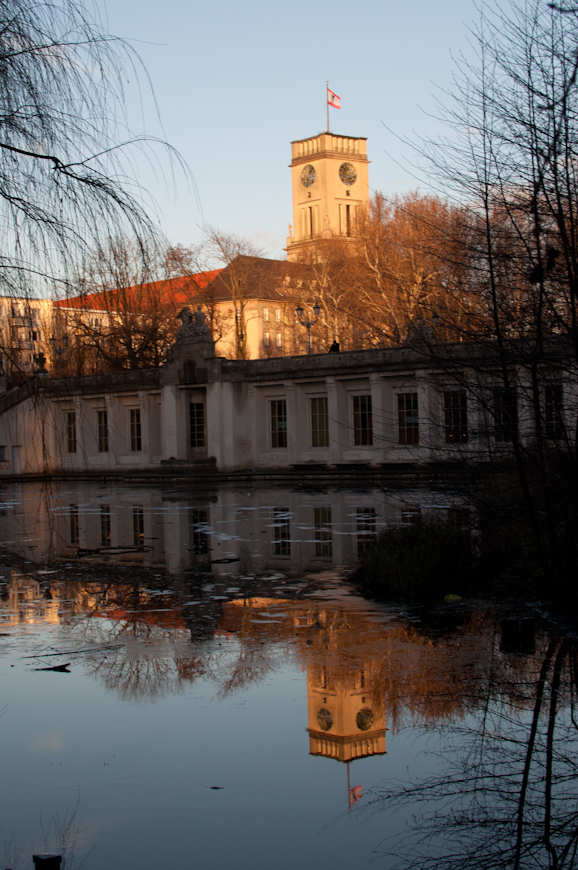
x: 329, y: 175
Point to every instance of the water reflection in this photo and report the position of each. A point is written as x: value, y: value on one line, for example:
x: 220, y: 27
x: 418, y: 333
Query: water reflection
x: 229, y: 590
x: 222, y: 531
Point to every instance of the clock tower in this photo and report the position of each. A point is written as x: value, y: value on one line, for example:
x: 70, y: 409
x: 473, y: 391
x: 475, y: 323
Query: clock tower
x: 330, y: 188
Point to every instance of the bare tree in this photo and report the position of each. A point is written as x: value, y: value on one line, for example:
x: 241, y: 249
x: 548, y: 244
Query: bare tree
x: 239, y: 255
x: 65, y: 160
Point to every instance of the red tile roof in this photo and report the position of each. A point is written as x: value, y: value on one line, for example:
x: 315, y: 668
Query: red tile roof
x: 173, y: 291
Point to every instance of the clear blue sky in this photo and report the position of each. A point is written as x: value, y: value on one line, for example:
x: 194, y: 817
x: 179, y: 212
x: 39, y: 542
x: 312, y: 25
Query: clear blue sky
x: 236, y: 82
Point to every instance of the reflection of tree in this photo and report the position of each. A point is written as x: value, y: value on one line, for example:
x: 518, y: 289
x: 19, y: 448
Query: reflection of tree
x: 507, y: 795
x: 250, y: 665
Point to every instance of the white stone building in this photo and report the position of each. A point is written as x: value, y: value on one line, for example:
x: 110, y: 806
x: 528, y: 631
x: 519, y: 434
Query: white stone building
x: 414, y: 406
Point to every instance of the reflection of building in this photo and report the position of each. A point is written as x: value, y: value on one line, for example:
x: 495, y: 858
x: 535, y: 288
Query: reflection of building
x: 223, y: 531
x: 343, y: 722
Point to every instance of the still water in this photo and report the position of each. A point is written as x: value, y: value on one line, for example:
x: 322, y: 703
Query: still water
x: 224, y: 697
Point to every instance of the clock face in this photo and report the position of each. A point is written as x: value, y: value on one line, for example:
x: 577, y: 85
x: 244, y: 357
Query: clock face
x: 308, y: 175
x: 325, y: 719
x: 347, y: 174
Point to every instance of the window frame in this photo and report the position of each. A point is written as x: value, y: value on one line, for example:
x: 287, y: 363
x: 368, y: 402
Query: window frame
x: 554, y: 428
x: 408, y: 434
x: 197, y: 437
x: 73, y: 525
x: 278, y: 424
x: 319, y: 421
x: 455, y: 417
x: 135, y: 430
x: 365, y: 527
x: 281, y: 543
x: 105, y: 526
x: 138, y: 526
x: 322, y: 532
x: 71, y: 432
x: 505, y: 416
x: 102, y: 430
x: 362, y: 434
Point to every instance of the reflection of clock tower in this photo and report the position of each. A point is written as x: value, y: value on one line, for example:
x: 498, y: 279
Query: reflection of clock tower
x: 330, y: 188
x: 346, y: 719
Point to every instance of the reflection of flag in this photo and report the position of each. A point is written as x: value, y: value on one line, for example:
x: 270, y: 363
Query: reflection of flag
x: 355, y: 794
x: 333, y: 99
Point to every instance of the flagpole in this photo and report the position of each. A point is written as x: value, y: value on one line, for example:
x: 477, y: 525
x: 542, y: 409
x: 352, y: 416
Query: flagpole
x: 327, y: 103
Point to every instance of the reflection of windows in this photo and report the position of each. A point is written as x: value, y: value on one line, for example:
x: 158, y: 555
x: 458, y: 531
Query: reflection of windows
x: 278, y: 340
x: 135, y: 430
x: 278, y: 423
x: 456, y: 416
x: 197, y: 424
x: 281, y: 532
x: 266, y: 339
x: 138, y: 527
x: 199, y: 522
x: 322, y: 531
x: 505, y: 415
x: 365, y: 522
x: 410, y: 515
x: 553, y: 412
x: 71, y: 431
x: 73, y: 523
x: 103, y: 431
x: 362, y: 420
x: 319, y: 423
x: 105, y: 525
x: 265, y: 314
x: 408, y: 418
x: 277, y: 315
x: 459, y: 518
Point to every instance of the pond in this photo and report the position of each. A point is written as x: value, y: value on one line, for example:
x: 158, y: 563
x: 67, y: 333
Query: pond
x: 189, y: 678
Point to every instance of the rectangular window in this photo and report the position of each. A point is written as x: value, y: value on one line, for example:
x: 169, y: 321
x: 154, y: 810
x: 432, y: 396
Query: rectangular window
x: 265, y: 314
x: 277, y: 315
x: 310, y: 222
x: 366, y: 528
x: 266, y: 339
x: 553, y: 412
x: 278, y: 340
x: 278, y: 423
x: 505, y: 415
x: 2, y: 453
x: 319, y: 423
x: 281, y: 532
x: 197, y: 424
x: 138, y: 527
x: 456, y: 417
x: 73, y: 524
x: 105, y: 525
x: 199, y: 526
x: 408, y: 418
x: 71, y: 431
x: 135, y: 430
x: 348, y: 220
x: 103, y: 431
x: 362, y: 421
x: 322, y: 531
x: 410, y: 515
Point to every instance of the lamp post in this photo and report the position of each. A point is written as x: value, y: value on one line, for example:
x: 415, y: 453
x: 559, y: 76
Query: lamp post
x: 308, y: 323
x: 59, y: 349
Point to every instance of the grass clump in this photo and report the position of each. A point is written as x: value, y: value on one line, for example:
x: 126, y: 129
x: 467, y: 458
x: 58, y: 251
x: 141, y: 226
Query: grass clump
x: 430, y: 559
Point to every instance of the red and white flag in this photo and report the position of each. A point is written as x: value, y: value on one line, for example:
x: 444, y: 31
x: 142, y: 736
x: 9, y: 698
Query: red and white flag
x: 333, y: 100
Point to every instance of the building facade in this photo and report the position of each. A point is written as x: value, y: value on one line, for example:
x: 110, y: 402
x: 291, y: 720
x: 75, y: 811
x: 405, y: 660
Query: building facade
x: 413, y: 405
